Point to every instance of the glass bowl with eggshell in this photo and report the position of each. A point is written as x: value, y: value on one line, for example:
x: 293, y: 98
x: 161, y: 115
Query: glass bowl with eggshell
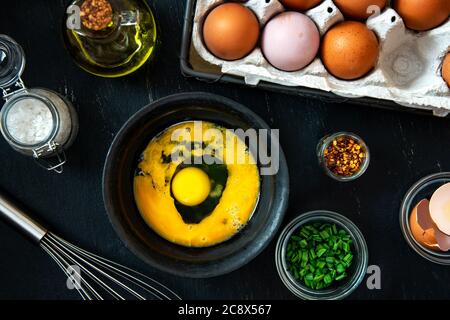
x: 423, y: 190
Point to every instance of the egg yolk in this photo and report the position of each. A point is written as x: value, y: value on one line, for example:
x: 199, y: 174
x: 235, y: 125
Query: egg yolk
x: 191, y: 186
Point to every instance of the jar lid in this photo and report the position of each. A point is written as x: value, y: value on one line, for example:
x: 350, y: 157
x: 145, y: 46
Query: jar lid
x: 12, y: 61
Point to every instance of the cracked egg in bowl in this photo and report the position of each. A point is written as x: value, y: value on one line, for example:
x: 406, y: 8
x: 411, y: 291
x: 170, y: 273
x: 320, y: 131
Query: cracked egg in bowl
x: 198, y: 214
x: 197, y: 184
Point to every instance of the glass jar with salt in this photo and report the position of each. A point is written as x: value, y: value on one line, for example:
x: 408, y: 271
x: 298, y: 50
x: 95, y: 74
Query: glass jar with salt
x: 35, y: 122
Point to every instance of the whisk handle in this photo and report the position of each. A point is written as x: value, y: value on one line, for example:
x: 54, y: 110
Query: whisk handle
x: 14, y: 215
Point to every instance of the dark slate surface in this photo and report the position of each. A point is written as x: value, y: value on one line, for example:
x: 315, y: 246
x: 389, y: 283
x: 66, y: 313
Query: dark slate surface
x: 404, y: 146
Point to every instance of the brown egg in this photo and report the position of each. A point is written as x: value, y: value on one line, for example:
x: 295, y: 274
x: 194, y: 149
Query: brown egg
x: 358, y: 9
x: 349, y: 50
x: 300, y: 4
x: 231, y: 31
x: 422, y: 15
x: 446, y: 69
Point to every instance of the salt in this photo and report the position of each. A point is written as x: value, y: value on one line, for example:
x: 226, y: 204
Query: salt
x: 29, y: 121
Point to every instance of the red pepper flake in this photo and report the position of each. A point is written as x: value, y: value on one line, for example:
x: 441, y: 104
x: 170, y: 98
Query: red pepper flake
x: 96, y: 14
x: 344, y: 156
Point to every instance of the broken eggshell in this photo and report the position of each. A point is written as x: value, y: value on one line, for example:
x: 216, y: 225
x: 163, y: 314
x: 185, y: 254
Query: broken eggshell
x: 422, y: 225
x: 425, y: 230
x: 440, y: 208
x: 443, y: 241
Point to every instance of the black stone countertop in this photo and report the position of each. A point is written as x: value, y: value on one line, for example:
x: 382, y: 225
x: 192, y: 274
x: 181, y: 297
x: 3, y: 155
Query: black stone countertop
x: 404, y: 148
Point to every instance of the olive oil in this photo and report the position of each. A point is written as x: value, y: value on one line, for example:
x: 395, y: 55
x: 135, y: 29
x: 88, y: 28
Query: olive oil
x: 116, y: 49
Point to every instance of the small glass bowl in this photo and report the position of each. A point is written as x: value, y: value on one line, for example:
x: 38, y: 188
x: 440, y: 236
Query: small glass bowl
x: 422, y: 189
x: 325, y: 142
x: 338, y: 290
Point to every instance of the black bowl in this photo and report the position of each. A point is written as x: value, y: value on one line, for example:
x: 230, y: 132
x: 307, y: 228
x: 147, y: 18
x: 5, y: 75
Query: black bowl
x: 118, y: 195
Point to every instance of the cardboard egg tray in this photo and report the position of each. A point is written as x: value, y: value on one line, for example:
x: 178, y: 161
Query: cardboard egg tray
x: 408, y: 71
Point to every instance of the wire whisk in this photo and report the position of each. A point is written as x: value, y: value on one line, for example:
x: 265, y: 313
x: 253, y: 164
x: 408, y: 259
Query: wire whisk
x: 94, y: 277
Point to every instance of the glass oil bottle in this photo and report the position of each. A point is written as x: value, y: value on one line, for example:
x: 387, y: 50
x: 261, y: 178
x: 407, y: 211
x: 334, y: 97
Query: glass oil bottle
x: 110, y: 38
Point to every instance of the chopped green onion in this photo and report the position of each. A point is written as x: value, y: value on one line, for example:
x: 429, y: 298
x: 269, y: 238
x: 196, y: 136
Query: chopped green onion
x: 319, y: 254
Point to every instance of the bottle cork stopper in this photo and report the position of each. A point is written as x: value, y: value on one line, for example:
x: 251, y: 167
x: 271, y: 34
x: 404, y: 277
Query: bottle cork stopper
x: 96, y: 14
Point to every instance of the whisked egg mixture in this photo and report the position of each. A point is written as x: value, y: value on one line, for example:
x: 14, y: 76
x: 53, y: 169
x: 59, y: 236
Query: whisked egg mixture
x: 197, y: 204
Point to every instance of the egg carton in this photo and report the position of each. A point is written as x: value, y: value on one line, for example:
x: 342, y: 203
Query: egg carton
x: 408, y: 70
